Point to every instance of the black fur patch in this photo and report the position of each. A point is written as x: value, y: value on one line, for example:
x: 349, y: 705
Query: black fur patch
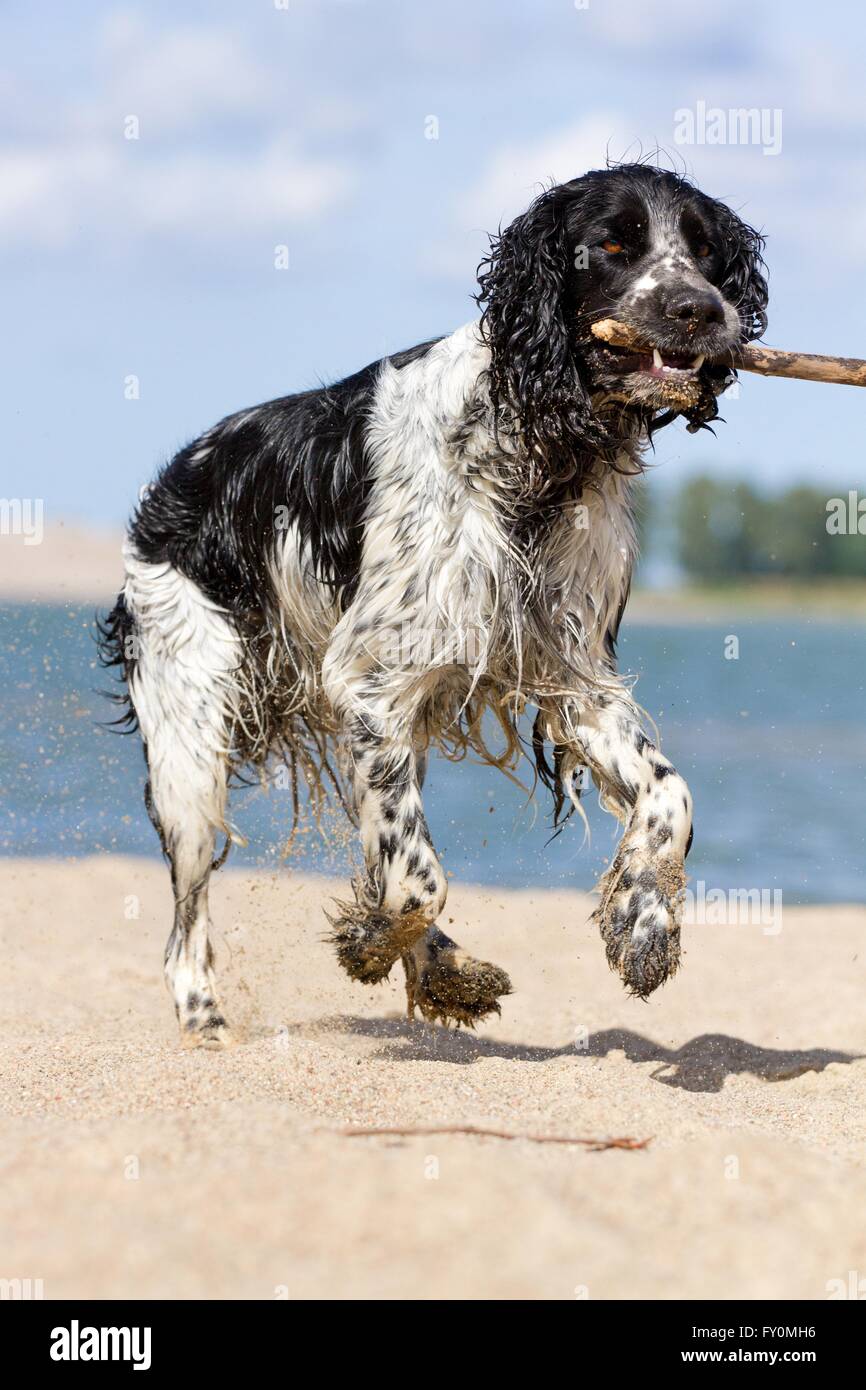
x: 114, y: 636
x: 299, y: 461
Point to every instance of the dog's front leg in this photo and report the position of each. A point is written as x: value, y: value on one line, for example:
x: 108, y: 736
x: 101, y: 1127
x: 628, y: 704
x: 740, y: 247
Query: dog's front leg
x: 403, y: 889
x: 642, y: 891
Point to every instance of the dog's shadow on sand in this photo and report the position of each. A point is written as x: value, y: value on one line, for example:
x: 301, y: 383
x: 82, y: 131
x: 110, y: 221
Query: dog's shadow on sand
x: 702, y: 1064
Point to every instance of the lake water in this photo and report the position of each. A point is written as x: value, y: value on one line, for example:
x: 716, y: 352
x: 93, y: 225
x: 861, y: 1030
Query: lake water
x: 772, y: 743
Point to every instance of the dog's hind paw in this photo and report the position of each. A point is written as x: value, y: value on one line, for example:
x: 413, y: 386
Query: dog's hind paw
x: 215, y: 1034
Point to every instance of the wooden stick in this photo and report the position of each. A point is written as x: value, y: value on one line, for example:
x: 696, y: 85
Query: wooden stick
x: 805, y: 366
x: 594, y: 1145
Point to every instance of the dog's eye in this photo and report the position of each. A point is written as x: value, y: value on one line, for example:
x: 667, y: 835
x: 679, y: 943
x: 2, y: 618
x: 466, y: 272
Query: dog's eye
x: 613, y: 248
x: 704, y: 250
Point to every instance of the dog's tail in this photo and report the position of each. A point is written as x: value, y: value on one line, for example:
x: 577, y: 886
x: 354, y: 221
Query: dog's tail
x: 117, y: 646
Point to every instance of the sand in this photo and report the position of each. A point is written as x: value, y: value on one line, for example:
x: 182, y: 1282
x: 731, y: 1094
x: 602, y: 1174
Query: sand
x: 134, y: 1169
x: 71, y: 563
x: 81, y: 564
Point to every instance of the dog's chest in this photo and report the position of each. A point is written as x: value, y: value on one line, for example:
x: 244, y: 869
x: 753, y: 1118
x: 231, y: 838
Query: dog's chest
x: 443, y: 552
x: 479, y: 580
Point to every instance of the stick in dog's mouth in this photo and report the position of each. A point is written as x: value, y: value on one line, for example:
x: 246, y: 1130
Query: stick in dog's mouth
x: 644, y: 355
x: 805, y: 366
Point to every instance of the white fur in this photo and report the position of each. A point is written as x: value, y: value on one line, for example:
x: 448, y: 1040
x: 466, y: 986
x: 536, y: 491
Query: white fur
x: 185, y: 695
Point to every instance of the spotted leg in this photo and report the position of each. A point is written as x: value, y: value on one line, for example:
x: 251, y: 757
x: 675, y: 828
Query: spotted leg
x: 404, y: 890
x: 188, y: 954
x: 642, y: 891
x: 185, y: 798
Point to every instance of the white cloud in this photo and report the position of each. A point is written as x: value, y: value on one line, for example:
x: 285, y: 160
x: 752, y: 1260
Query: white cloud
x: 650, y: 28
x: 278, y: 186
x: 825, y: 80
x: 520, y: 170
x: 79, y: 181
x: 53, y: 196
x: 180, y: 78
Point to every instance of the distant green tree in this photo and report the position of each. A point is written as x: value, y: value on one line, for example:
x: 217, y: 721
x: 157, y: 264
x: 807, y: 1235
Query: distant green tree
x: 717, y: 524
x: 730, y: 530
x: 793, y: 539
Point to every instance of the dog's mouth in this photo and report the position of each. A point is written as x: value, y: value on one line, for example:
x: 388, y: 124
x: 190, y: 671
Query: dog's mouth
x: 657, y: 376
x: 658, y: 363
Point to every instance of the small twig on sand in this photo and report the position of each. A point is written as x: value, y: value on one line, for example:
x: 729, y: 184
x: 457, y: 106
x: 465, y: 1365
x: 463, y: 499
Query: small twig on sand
x: 410, y: 1131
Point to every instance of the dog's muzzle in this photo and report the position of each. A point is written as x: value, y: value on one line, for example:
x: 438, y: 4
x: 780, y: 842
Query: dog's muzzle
x: 687, y: 329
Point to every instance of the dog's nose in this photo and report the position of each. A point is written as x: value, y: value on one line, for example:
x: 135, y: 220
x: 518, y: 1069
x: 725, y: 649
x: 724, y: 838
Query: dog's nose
x: 699, y: 308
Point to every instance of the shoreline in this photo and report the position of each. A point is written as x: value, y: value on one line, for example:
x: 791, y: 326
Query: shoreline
x: 335, y: 882
x: 76, y: 566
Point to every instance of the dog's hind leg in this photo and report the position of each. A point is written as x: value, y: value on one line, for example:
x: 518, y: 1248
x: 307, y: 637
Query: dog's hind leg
x: 181, y: 685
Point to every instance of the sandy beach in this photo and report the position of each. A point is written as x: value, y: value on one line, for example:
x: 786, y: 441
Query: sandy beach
x: 133, y: 1169
x: 75, y: 563
x: 64, y: 562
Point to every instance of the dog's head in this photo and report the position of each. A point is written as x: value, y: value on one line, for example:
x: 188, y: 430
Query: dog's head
x: 637, y: 244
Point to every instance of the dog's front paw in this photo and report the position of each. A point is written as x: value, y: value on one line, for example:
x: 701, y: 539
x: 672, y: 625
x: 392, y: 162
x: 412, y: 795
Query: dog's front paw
x: 369, y: 941
x: 639, y: 918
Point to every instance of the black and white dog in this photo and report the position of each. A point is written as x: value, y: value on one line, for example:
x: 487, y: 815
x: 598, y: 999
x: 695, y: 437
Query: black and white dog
x: 342, y: 579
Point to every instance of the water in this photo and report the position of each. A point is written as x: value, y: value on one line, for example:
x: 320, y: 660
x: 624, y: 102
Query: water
x: 773, y: 745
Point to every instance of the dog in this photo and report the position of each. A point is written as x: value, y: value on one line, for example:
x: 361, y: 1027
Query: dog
x: 340, y: 580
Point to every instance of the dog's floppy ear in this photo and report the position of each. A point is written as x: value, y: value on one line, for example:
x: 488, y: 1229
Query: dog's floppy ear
x: 534, y: 377
x: 743, y: 282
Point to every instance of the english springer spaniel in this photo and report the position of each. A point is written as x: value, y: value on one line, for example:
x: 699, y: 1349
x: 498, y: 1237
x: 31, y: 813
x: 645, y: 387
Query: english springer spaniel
x: 339, y: 580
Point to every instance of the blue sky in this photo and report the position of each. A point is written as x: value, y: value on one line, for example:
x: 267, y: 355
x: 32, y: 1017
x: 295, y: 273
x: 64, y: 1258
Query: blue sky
x: 307, y: 126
